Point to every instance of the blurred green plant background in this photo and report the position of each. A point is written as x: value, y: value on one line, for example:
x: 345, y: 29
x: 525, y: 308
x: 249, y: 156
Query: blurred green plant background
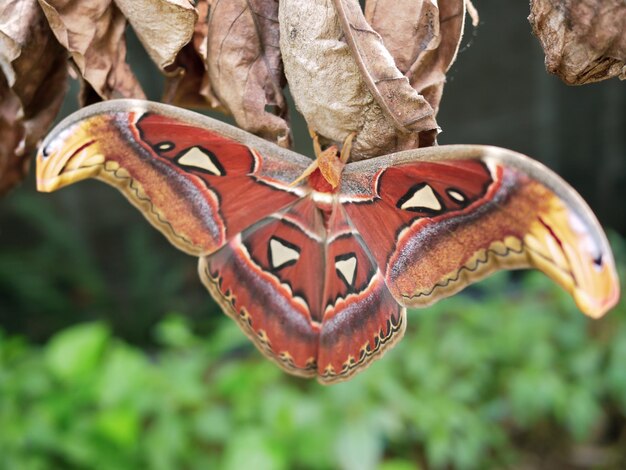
x: 112, y: 355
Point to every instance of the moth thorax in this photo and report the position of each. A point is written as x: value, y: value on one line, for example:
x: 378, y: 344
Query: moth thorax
x: 319, y: 183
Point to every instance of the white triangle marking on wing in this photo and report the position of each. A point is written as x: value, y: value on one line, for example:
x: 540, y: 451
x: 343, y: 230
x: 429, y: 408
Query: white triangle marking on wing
x: 281, y: 253
x: 347, y: 268
x: 423, y: 197
x: 199, y: 159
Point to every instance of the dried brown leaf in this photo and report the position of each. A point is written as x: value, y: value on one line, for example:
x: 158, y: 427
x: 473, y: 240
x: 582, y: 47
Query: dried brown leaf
x: 13, y: 161
x: 245, y: 67
x: 392, y: 91
x: 93, y: 33
x: 340, y: 93
x: 187, y: 83
x: 33, y: 83
x: 163, y: 26
x: 407, y: 27
x: 423, y: 38
x: 584, y: 41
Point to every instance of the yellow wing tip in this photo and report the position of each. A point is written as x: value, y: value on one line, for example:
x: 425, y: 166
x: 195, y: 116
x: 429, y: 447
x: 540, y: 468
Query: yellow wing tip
x: 598, y: 299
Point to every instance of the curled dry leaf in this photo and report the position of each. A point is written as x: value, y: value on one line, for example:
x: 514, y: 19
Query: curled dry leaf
x: 584, y: 41
x: 32, y: 85
x: 423, y: 36
x: 392, y: 91
x: 93, y: 33
x: 340, y: 92
x: 407, y: 27
x: 187, y: 83
x: 163, y: 26
x: 245, y: 67
x: 13, y: 161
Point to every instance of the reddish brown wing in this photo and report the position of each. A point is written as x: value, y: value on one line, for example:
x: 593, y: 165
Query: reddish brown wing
x: 309, y: 296
x: 198, y: 181
x: 438, y: 219
x: 268, y: 280
x: 361, y: 319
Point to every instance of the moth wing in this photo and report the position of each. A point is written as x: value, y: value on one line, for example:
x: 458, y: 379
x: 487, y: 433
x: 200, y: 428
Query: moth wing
x: 197, y: 180
x: 440, y: 218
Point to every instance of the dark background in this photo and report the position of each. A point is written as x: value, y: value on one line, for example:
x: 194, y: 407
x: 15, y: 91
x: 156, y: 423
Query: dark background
x: 89, y: 251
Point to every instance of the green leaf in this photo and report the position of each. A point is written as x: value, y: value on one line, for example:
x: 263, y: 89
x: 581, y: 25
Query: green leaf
x: 213, y: 425
x: 75, y: 353
x: 123, y: 375
x: 175, y: 331
x: 251, y: 448
x: 397, y: 464
x: 120, y: 426
x: 358, y: 446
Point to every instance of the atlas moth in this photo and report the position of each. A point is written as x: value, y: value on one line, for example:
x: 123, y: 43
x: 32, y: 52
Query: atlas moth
x: 319, y: 275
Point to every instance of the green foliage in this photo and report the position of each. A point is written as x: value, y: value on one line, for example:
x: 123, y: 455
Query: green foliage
x: 478, y: 382
x: 52, y: 276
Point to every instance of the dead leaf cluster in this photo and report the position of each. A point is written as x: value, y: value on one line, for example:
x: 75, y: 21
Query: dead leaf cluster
x: 340, y: 72
x: 584, y: 41
x: 38, y: 36
x: 32, y: 85
x: 245, y: 68
x: 378, y: 74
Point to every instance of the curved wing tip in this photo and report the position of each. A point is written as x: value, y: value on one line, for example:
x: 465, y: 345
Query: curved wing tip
x: 601, y: 293
x: 595, y: 307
